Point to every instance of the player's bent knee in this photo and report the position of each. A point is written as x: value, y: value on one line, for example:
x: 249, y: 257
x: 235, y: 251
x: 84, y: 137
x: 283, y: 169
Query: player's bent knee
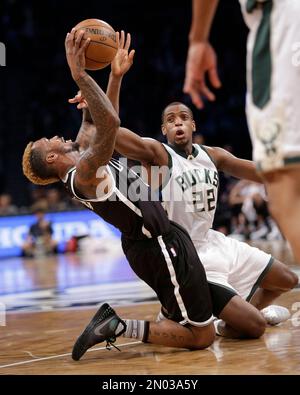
x: 256, y: 327
x: 251, y: 325
x: 289, y: 279
x: 203, y: 337
x: 280, y: 278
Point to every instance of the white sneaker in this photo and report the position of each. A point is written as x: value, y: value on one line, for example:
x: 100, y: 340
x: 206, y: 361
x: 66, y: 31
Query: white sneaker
x: 275, y: 314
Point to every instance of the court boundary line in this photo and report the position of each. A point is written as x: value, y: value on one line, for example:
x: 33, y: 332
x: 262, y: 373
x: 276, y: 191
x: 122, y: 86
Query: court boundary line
x: 86, y: 307
x: 61, y: 355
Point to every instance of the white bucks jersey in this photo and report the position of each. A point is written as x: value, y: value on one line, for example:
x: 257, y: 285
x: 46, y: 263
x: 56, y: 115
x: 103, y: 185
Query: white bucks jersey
x: 190, y: 193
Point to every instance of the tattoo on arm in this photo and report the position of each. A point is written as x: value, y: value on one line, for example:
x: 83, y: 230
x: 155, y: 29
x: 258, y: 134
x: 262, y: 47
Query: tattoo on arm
x: 106, y: 122
x: 86, y: 131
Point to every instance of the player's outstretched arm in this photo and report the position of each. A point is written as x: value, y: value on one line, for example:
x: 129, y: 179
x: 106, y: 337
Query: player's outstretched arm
x: 201, y: 58
x: 104, y: 116
x: 128, y: 143
x: 120, y: 65
x: 145, y: 150
x: 87, y: 127
x: 203, y: 13
x: 230, y: 164
x: 86, y: 131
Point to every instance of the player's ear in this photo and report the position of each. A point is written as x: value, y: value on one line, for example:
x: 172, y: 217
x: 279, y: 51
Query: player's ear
x: 51, y: 157
x: 163, y: 129
x: 194, y: 126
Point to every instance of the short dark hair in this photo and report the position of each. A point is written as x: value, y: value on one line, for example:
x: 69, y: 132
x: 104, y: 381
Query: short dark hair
x: 176, y: 103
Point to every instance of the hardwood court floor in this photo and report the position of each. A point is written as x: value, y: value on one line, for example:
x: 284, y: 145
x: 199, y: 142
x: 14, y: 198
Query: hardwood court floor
x: 40, y: 342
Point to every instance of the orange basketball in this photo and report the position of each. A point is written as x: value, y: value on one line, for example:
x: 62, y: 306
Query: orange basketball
x: 103, y: 45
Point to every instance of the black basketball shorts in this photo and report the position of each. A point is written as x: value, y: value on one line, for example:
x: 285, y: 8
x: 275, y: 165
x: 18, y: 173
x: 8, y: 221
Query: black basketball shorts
x: 170, y: 265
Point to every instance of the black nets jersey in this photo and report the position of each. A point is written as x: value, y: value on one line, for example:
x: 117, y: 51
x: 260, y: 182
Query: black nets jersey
x: 160, y: 252
x: 128, y: 205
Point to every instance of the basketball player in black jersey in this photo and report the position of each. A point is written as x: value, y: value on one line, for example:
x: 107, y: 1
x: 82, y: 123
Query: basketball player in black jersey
x: 242, y: 318
x: 160, y: 252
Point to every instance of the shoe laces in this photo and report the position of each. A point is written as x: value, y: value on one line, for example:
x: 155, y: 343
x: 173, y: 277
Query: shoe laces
x: 110, y: 344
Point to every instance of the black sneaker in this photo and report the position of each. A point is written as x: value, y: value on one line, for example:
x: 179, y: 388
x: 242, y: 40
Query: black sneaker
x: 102, y: 327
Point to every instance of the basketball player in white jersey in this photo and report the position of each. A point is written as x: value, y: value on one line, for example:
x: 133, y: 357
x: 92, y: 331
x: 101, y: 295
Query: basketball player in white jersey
x: 273, y: 96
x: 236, y: 272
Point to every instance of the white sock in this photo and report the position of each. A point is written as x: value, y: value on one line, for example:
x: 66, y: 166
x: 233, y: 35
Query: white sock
x: 160, y: 317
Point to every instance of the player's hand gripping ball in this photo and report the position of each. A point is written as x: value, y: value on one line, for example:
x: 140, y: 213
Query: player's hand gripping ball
x: 103, y: 45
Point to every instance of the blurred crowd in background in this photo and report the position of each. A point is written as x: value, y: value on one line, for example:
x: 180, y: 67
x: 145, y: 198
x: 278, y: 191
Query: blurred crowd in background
x: 36, y: 84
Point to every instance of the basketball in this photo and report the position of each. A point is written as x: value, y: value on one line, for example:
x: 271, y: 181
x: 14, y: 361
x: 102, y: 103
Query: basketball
x: 103, y: 45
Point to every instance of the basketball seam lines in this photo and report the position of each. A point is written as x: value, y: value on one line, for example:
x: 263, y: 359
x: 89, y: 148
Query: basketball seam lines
x: 101, y: 43
x: 97, y: 61
x: 97, y: 26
